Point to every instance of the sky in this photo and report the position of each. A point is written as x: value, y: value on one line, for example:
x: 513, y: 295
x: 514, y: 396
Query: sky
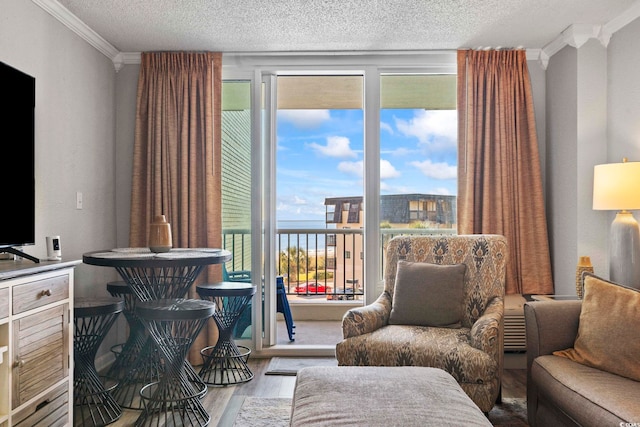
x: 320, y: 155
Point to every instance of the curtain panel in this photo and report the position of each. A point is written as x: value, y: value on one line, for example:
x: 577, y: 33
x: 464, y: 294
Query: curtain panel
x: 499, y: 178
x: 176, y: 158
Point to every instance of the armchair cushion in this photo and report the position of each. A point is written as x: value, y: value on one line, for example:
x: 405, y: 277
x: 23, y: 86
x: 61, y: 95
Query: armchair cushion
x: 472, y: 353
x: 609, y: 329
x: 428, y: 294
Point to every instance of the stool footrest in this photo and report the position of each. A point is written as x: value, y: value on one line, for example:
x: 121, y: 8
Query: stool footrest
x: 221, y: 368
x: 174, y: 408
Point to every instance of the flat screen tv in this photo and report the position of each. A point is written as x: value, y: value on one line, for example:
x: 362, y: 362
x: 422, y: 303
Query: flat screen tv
x: 17, y: 190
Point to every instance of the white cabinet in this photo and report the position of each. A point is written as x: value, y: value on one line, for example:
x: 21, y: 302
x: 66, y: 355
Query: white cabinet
x: 36, y: 343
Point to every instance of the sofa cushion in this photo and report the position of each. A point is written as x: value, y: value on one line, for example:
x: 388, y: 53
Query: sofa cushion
x: 587, y: 395
x: 609, y: 329
x: 428, y: 294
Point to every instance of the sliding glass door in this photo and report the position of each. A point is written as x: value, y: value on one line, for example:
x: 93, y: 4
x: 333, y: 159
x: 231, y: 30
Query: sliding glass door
x: 345, y: 153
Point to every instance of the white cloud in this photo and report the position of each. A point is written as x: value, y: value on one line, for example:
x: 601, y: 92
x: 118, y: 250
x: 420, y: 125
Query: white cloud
x: 386, y: 127
x: 401, y: 151
x: 357, y: 169
x: 387, y: 170
x: 352, y: 168
x: 337, y: 146
x: 427, y: 125
x: 436, y: 170
x: 304, y: 119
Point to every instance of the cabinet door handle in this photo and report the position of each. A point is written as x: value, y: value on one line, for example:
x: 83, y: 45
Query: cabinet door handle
x: 46, y: 293
x: 19, y: 363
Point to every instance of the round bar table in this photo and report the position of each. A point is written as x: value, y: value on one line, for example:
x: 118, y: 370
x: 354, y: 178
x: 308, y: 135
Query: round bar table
x: 153, y: 276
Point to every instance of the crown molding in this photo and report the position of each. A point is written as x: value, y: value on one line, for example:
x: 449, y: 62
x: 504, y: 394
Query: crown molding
x: 125, y: 58
x: 72, y: 22
x: 575, y: 36
x: 632, y: 13
x: 578, y: 34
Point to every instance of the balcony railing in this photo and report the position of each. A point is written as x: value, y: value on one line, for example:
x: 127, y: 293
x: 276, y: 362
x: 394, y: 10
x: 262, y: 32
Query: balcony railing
x: 318, y: 262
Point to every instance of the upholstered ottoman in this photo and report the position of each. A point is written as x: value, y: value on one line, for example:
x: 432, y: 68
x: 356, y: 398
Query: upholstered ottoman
x: 381, y: 396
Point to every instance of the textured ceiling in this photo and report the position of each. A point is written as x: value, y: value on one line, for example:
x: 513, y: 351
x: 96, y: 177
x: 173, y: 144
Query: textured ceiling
x: 335, y: 25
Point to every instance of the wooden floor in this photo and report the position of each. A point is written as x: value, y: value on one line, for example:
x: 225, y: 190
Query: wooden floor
x: 217, y: 398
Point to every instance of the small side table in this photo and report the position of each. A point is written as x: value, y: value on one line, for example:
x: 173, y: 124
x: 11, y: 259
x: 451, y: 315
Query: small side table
x: 93, y: 403
x: 174, y: 400
x: 226, y: 363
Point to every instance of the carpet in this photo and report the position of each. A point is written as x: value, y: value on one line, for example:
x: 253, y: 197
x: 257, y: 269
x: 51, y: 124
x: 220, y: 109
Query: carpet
x: 260, y: 412
x: 291, y: 365
x: 275, y: 412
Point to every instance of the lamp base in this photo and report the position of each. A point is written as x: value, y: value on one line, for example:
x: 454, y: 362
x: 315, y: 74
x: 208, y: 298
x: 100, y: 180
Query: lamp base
x: 624, y: 252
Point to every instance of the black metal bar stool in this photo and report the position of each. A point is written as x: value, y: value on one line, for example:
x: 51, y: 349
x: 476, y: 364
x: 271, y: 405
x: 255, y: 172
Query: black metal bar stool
x: 93, y: 403
x: 127, y: 393
x: 226, y: 363
x: 174, y: 400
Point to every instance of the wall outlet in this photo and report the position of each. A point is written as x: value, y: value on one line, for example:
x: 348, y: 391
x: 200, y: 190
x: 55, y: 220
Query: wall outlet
x: 78, y: 200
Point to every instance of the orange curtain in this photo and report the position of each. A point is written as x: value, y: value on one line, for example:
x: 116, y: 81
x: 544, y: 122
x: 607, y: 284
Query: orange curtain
x: 499, y: 179
x: 176, y: 158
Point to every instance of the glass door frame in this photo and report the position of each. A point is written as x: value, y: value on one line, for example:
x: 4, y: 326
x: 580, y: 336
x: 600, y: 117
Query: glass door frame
x: 262, y: 70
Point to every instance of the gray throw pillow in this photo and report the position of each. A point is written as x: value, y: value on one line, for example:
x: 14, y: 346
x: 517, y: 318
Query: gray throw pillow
x: 428, y: 294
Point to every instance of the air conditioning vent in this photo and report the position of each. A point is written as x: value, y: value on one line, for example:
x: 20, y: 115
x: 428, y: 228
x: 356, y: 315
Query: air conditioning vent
x: 514, y: 333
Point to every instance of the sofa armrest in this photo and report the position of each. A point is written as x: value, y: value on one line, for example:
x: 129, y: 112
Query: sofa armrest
x: 362, y: 320
x: 485, y: 332
x: 550, y: 326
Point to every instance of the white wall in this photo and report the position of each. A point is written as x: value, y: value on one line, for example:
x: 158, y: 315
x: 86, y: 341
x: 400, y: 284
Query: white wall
x: 561, y: 138
x: 592, y: 226
x: 538, y: 86
x: 126, y: 94
x: 592, y: 118
x: 624, y: 95
x: 74, y: 136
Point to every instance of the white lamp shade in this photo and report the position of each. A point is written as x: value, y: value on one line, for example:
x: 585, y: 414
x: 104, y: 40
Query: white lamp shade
x: 616, y: 186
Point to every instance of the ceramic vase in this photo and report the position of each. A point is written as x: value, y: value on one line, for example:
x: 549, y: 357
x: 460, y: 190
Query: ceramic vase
x: 160, y: 235
x: 584, y: 264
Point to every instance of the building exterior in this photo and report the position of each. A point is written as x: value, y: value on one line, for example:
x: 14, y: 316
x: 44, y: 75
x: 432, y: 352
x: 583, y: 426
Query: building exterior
x: 397, y: 211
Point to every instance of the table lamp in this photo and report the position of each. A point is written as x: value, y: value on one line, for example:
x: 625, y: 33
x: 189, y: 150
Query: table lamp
x: 616, y: 186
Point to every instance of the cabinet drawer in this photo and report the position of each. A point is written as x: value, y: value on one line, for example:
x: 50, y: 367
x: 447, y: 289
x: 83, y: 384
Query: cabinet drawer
x: 41, y: 352
x: 4, y: 302
x: 49, y: 411
x: 40, y: 292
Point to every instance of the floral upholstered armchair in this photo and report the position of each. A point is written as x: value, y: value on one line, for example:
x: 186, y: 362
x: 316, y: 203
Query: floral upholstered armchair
x: 468, y: 345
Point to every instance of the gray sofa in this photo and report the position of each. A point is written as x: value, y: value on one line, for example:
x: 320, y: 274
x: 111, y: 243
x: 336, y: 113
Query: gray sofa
x: 561, y: 392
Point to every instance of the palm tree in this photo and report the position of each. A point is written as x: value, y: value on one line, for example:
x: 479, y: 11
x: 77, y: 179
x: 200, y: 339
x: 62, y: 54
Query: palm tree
x: 292, y: 262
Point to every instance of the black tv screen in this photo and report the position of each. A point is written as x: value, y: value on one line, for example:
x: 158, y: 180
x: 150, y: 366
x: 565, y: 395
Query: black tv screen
x: 17, y: 191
